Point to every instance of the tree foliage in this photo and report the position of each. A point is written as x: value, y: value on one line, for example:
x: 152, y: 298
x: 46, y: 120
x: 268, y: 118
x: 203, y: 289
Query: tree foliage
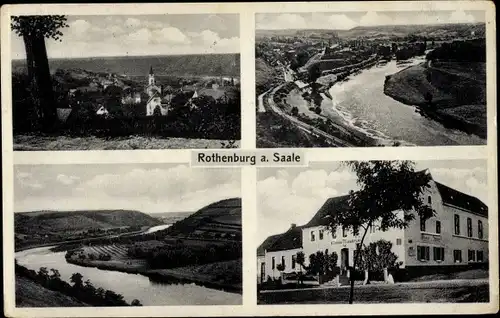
x: 47, y: 26
x: 84, y: 292
x: 385, y: 187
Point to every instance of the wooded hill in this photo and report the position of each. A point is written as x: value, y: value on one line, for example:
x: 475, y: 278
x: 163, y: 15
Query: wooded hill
x: 41, y: 222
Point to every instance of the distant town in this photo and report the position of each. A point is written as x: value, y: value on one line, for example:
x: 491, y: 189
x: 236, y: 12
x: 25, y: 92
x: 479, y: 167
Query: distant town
x: 297, y: 70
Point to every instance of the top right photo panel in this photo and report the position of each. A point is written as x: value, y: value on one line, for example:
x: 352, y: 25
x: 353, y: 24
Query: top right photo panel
x: 367, y: 79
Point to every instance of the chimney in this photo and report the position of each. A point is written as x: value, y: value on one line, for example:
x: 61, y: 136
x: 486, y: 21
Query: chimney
x: 293, y: 226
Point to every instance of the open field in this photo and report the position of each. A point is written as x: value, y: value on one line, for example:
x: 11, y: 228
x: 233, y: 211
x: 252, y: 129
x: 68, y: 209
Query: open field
x: 31, y: 294
x: 457, y: 291
x: 35, y: 142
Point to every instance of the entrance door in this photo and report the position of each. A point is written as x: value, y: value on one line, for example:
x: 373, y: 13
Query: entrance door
x: 344, y: 259
x: 262, y: 272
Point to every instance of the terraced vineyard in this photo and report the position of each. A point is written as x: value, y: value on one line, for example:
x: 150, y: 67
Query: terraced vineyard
x: 117, y: 252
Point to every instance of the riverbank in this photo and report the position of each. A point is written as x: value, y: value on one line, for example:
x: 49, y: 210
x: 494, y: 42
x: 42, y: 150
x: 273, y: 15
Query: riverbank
x: 439, y: 95
x: 214, y: 275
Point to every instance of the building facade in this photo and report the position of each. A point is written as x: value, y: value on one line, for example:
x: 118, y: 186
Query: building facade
x: 457, y: 235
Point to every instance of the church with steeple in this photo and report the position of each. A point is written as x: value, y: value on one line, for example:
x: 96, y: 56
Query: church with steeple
x: 154, y: 105
x: 151, y: 89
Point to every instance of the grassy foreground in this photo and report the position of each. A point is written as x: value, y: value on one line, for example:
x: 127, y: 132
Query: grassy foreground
x: 455, y: 291
x: 35, y: 142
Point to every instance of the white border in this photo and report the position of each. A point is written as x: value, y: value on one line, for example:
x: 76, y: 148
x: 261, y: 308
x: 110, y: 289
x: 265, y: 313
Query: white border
x: 250, y: 223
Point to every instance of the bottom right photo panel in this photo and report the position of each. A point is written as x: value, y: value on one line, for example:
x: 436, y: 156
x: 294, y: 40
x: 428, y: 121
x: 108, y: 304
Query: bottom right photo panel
x: 373, y: 232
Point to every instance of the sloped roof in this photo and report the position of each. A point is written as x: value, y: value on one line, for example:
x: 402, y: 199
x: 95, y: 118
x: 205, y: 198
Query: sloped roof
x: 268, y: 242
x: 291, y: 239
x: 212, y: 92
x: 330, y: 207
x: 462, y: 200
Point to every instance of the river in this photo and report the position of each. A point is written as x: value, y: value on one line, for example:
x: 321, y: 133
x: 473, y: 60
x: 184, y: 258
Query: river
x: 157, y: 228
x: 362, y: 104
x: 131, y: 286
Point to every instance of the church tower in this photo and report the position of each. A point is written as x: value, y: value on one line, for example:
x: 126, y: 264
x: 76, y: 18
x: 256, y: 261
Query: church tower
x: 151, y: 76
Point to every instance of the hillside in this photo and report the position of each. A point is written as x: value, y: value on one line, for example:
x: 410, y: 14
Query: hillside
x: 42, y: 222
x: 200, y: 64
x: 171, y: 217
x: 219, y: 219
x: 382, y: 31
x: 31, y: 294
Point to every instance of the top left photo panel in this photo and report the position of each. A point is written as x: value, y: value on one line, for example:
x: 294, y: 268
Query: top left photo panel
x: 107, y: 82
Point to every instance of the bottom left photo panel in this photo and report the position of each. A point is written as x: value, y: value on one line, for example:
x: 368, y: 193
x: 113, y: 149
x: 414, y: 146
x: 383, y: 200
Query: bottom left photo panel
x: 127, y: 235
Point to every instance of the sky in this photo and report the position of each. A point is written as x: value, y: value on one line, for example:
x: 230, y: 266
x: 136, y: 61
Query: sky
x: 93, y: 36
x: 147, y: 188
x: 349, y: 20
x: 294, y: 195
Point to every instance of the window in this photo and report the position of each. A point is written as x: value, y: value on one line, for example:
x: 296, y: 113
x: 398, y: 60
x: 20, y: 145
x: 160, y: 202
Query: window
x: 423, y: 253
x: 273, y: 263
x: 479, y: 229
x: 438, y: 253
x: 480, y: 256
x: 469, y: 227
x: 355, y: 230
x: 320, y: 234
x: 283, y: 261
x: 398, y: 241
x: 457, y: 224
x: 372, y: 229
x: 438, y: 227
x: 344, y: 231
x: 294, y: 261
x: 429, y: 200
x: 471, y: 255
x: 457, y: 256
x: 313, y: 237
x: 422, y: 224
x: 334, y: 233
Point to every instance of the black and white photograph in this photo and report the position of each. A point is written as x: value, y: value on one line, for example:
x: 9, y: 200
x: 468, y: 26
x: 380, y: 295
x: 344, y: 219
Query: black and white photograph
x: 370, y: 78
x: 127, y: 235
x: 100, y: 82
x: 373, y: 232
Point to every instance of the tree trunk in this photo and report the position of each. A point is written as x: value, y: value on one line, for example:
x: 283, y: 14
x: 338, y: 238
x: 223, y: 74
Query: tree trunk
x: 356, y: 261
x: 367, y: 280
x: 43, y: 83
x: 385, y: 274
x: 34, y: 113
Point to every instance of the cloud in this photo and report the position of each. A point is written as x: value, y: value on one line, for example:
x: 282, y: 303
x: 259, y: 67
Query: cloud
x: 209, y: 37
x: 283, y: 200
x: 469, y: 181
x: 131, y: 36
x: 372, y: 18
x: 175, y: 188
x: 132, y: 22
x: 460, y: 16
x: 171, y: 34
x: 67, y: 180
x: 80, y: 26
x: 341, y: 22
x: 282, y: 21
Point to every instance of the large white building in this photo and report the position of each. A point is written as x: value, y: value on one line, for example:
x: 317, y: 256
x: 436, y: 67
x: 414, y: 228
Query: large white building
x: 456, y: 236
